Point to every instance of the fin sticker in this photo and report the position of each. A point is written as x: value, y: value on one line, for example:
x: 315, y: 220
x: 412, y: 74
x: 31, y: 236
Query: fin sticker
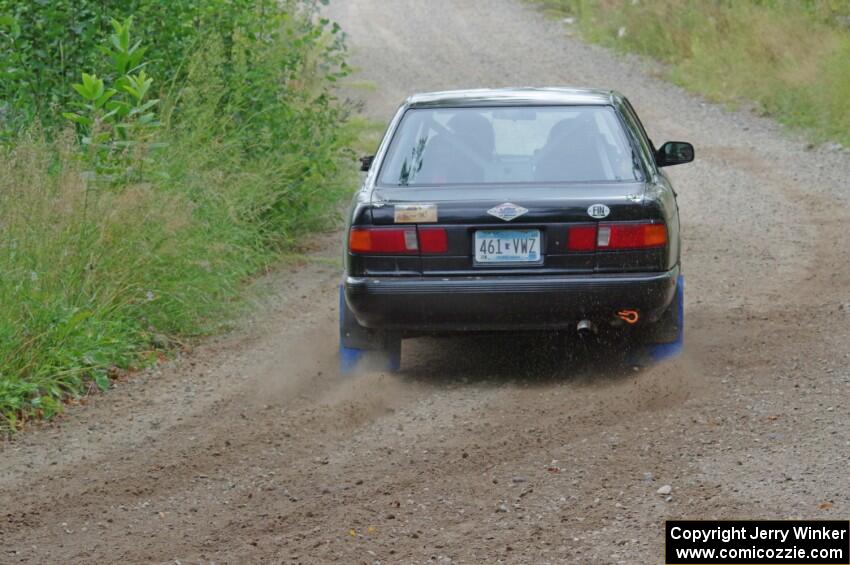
x: 598, y: 211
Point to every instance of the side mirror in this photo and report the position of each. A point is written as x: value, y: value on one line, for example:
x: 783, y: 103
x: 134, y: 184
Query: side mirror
x: 674, y: 153
x: 366, y: 162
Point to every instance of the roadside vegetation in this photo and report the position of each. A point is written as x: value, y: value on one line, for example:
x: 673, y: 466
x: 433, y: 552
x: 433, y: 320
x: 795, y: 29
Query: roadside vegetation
x: 155, y: 154
x: 792, y: 57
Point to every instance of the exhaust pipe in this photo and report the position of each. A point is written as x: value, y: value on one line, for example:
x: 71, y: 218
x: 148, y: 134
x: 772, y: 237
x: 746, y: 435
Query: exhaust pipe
x: 585, y: 328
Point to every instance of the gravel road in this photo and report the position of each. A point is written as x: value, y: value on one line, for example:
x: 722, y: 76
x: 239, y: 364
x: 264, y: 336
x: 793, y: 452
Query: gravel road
x: 253, y: 449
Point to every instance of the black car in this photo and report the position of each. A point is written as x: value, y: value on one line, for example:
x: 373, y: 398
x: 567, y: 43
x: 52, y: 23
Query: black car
x: 508, y: 210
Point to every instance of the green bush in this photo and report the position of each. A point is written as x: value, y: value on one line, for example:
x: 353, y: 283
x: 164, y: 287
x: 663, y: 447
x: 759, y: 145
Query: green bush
x: 790, y: 56
x: 44, y: 45
x: 122, y: 231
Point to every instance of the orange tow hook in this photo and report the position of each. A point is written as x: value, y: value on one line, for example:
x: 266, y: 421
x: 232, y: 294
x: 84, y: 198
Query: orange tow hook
x: 629, y: 316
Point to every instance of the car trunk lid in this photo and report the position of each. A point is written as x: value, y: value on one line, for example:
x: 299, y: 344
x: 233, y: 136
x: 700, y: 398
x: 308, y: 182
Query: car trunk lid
x: 545, y: 211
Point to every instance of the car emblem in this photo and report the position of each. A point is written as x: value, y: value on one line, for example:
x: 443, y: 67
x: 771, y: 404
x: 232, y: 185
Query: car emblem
x: 598, y: 211
x: 507, y: 211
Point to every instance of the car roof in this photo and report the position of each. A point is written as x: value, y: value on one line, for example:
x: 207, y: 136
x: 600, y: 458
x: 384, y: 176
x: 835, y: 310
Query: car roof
x: 512, y: 97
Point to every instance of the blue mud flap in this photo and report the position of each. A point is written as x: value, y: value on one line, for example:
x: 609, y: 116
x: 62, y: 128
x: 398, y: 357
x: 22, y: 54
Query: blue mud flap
x: 662, y: 351
x: 392, y: 361
x: 351, y: 357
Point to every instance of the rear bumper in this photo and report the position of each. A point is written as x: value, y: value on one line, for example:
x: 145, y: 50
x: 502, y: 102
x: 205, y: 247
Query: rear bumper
x: 504, y: 303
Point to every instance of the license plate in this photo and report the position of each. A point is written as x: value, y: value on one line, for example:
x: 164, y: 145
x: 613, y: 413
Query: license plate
x: 507, y: 246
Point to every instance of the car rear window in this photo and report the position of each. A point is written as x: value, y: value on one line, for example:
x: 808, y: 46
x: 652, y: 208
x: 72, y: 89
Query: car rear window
x: 505, y: 145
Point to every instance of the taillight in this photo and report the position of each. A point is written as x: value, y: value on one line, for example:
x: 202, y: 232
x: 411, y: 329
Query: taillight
x: 397, y: 240
x: 582, y: 238
x: 433, y: 240
x: 617, y: 236
x: 383, y: 240
x: 631, y: 236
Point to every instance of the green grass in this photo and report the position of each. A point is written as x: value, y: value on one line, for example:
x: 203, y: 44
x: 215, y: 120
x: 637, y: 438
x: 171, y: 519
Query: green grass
x: 102, y: 272
x: 792, y: 57
x: 98, y: 279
